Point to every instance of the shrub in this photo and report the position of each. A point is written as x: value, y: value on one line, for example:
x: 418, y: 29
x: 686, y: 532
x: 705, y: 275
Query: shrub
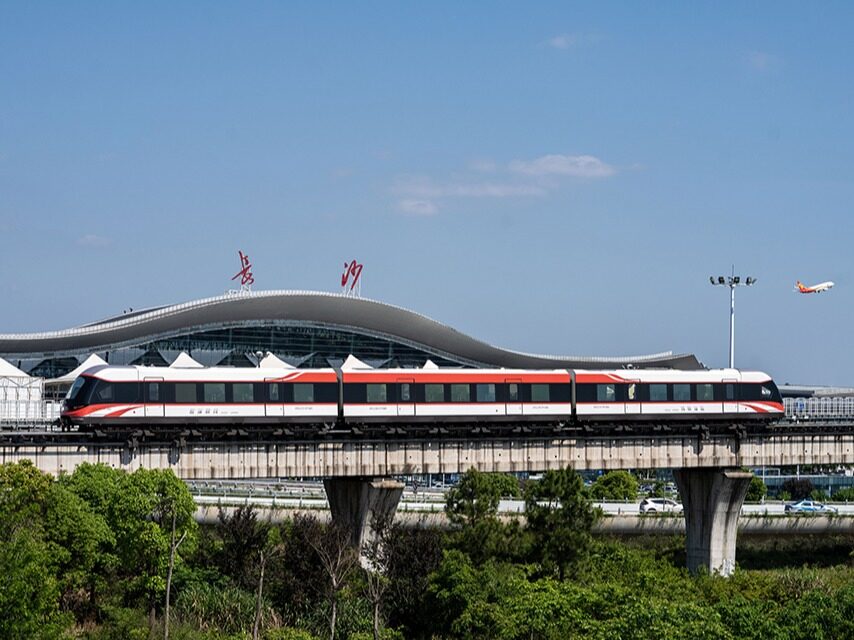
x: 757, y: 490
x: 615, y: 485
x: 798, y: 488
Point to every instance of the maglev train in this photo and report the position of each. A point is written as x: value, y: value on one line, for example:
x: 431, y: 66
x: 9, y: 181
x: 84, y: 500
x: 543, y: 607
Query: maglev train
x: 108, y: 395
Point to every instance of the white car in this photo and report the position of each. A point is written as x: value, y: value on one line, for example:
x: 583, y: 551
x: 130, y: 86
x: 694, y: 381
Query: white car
x: 660, y: 505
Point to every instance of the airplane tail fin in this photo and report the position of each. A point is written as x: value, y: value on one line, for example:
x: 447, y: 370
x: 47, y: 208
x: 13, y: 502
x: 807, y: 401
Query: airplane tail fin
x: 800, y: 285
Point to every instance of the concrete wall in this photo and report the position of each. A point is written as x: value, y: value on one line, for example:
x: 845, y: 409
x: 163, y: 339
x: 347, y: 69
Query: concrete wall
x: 629, y: 525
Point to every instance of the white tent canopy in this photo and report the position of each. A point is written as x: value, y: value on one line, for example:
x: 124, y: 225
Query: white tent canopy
x: 20, y: 394
x: 430, y: 365
x: 184, y: 361
x: 8, y: 370
x: 352, y: 362
x: 92, y: 361
x: 270, y: 361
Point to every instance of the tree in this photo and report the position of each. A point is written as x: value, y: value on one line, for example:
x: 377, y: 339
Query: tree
x: 331, y: 543
x: 173, y: 547
x: 472, y: 506
x: 243, y: 538
x: 476, y: 496
x: 798, y: 488
x: 615, y: 485
x: 560, y: 517
x: 377, y: 554
x: 273, y: 546
x: 414, y: 554
x: 757, y: 490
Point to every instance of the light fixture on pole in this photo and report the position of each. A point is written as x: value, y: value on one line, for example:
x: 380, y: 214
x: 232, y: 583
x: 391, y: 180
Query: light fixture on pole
x: 732, y: 281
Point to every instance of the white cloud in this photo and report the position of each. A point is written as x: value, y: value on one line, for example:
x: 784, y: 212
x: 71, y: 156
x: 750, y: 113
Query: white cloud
x: 418, y: 207
x: 425, y: 188
x: 761, y: 60
x: 561, y: 165
x: 483, y: 165
x: 566, y: 41
x: 422, y: 195
x: 92, y: 240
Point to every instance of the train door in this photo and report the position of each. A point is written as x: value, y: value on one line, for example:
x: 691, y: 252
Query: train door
x: 730, y: 399
x: 152, y: 389
x: 632, y: 404
x: 513, y: 402
x: 274, y: 405
x: 405, y: 396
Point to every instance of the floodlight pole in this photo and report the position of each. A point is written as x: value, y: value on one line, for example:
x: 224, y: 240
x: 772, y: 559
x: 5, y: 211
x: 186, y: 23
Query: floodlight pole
x: 732, y: 326
x: 732, y: 281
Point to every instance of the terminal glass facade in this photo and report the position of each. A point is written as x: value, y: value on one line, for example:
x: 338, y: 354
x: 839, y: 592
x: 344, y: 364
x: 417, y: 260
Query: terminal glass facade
x: 300, y: 345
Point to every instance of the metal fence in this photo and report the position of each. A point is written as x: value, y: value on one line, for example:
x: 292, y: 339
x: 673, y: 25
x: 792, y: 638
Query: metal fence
x: 819, y: 408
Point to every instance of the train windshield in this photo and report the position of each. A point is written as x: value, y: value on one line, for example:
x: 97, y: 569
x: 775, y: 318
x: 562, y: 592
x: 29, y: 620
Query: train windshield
x: 74, y: 391
x: 771, y: 393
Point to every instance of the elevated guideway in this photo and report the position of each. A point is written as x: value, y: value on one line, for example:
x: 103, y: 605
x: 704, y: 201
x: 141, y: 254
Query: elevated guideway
x: 706, y: 465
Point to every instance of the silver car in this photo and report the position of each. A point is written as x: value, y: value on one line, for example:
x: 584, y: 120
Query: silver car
x: 660, y: 505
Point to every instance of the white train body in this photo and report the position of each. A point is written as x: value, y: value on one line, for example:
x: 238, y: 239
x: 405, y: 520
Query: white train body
x: 107, y: 395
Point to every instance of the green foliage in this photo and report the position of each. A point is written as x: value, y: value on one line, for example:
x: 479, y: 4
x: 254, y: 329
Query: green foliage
x: 29, y: 591
x: 798, y: 488
x: 288, y: 633
x: 757, y: 490
x: 844, y: 495
x: 211, y: 607
x: 819, y: 495
x: 476, y: 496
x: 473, y: 507
x: 560, y: 518
x: 658, y: 490
x: 615, y: 485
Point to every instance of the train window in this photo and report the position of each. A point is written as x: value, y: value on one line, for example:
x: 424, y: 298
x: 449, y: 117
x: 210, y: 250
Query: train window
x: 377, y: 393
x: 273, y: 392
x: 460, y: 393
x: 512, y: 392
x: 434, y: 393
x: 486, y: 393
x: 103, y: 392
x: 766, y: 392
x: 633, y: 392
x: 729, y: 390
x: 303, y: 393
x: 214, y: 391
x: 682, y: 392
x: 605, y: 393
x: 185, y: 392
x: 405, y: 392
x: 658, y: 393
x: 152, y: 392
x: 243, y: 392
x: 539, y: 393
x: 705, y: 393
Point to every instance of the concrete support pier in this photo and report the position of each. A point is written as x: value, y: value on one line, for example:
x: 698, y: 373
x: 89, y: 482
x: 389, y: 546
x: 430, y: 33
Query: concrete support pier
x: 712, y: 499
x: 355, y: 501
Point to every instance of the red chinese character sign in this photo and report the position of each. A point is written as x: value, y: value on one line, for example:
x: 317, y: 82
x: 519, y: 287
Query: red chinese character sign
x: 353, y: 276
x: 245, y: 273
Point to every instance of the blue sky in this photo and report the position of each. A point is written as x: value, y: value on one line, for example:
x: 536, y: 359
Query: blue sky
x: 548, y: 177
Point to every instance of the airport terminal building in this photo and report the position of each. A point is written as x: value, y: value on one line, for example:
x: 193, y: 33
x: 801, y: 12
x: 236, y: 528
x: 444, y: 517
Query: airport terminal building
x: 305, y: 329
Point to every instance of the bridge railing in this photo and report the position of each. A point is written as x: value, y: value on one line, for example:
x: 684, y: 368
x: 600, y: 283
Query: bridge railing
x: 819, y: 408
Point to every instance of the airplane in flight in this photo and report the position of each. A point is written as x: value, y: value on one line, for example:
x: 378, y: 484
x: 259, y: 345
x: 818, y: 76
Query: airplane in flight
x: 819, y: 288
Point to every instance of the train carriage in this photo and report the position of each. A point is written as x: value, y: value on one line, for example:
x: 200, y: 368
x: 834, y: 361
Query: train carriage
x: 107, y: 395
x: 456, y: 395
x: 662, y: 395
